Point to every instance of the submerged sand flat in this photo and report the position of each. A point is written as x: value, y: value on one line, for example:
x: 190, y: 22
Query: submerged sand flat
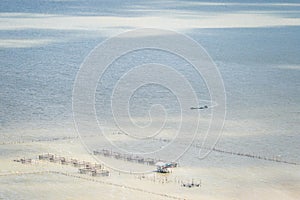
x: 45, y: 180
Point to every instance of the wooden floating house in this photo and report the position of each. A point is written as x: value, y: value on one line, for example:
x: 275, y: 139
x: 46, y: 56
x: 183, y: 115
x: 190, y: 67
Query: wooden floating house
x: 149, y: 161
x: 162, y: 167
x: 24, y: 160
x: 84, y: 167
x: 99, y: 172
x: 131, y: 158
x: 192, y: 184
x: 93, y: 172
x: 47, y: 156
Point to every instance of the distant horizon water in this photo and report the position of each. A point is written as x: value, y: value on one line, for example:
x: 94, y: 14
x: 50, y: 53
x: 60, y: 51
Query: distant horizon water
x: 255, y: 46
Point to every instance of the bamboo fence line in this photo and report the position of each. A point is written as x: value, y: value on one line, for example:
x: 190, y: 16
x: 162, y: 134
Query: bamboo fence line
x: 219, y: 150
x: 93, y: 180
